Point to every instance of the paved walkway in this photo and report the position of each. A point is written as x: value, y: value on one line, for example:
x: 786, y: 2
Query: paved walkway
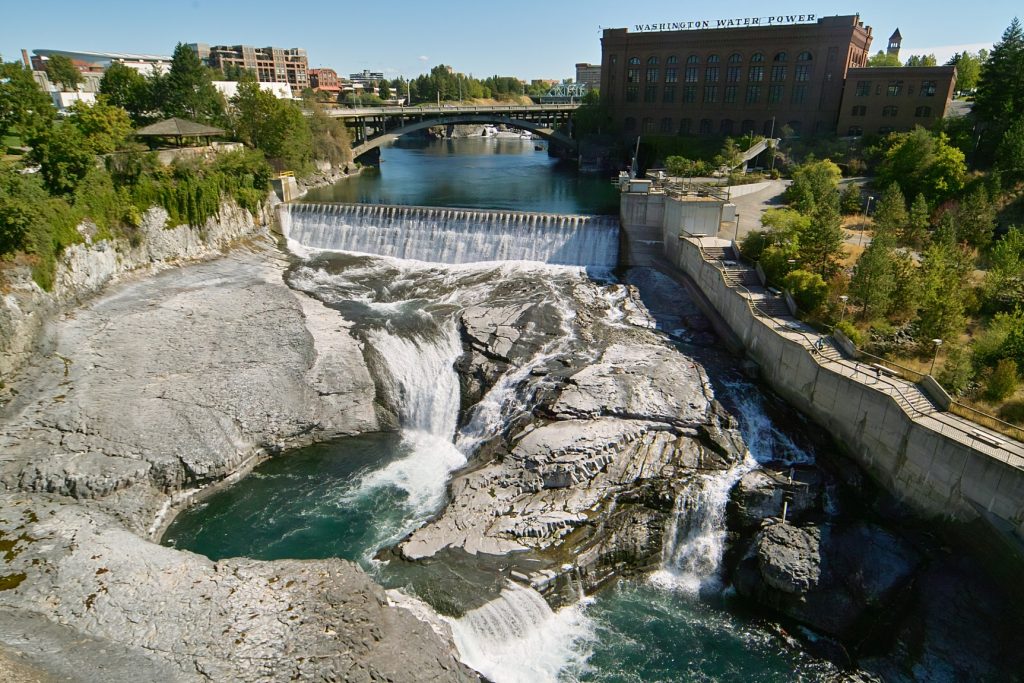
x: 823, y: 348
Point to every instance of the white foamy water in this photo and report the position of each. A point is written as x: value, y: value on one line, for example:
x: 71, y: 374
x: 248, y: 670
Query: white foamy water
x: 763, y: 439
x: 452, y: 235
x: 517, y: 638
x: 420, y: 379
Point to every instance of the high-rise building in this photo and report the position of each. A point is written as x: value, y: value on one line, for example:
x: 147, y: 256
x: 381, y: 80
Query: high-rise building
x: 366, y: 76
x: 270, y: 64
x: 589, y: 75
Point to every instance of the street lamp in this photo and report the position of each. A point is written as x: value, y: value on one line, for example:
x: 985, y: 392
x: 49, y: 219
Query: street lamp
x: 844, y: 299
x: 938, y: 343
x: 864, y: 225
x: 736, y: 232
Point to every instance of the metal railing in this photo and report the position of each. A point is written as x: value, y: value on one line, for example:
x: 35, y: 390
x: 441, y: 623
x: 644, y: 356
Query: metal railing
x: 986, y: 420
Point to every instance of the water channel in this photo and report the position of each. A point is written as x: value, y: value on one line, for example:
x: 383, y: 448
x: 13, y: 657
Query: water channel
x: 356, y: 496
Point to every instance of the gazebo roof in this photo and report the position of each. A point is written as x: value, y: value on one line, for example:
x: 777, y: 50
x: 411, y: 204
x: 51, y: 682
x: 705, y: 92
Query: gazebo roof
x: 179, y: 127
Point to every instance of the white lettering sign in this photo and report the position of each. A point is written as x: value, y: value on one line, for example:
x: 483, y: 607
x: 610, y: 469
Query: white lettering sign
x: 741, y: 22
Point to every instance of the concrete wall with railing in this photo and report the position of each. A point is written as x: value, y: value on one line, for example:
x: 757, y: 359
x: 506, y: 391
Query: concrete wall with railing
x: 921, y: 463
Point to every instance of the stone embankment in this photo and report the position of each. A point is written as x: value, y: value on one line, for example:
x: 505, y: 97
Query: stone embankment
x: 150, y: 392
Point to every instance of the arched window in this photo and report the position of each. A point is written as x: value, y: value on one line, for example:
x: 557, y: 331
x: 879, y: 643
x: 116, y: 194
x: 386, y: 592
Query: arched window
x: 781, y: 57
x: 652, y: 61
x: 630, y: 124
x: 672, y: 60
x: 923, y: 112
x: 757, y: 57
x: 693, y: 59
x: 634, y: 60
x: 712, y: 59
x: 735, y: 58
x: 854, y: 131
x: 804, y: 57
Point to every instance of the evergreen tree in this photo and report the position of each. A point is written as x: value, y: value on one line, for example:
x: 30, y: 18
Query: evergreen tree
x: 383, y: 90
x: 968, y: 68
x: 188, y: 90
x: 814, y: 183
x: 921, y: 60
x: 942, y: 294
x: 821, y: 243
x: 1000, y: 97
x: 850, y: 201
x: 1010, y: 154
x: 916, y: 233
x: 874, y: 276
x: 976, y: 219
x: 891, y: 217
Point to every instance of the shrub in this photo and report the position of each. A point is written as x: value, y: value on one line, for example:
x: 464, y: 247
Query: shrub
x: 957, y: 372
x: 755, y: 243
x: 808, y: 289
x: 851, y: 332
x: 1002, y: 383
x: 1013, y: 412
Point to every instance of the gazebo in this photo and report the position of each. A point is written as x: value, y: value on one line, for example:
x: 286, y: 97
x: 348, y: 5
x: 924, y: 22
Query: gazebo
x: 178, y: 129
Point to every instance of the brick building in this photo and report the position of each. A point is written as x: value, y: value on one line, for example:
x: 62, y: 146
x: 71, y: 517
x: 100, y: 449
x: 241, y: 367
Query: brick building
x: 734, y: 76
x: 270, y: 64
x: 883, y: 99
x: 324, y: 80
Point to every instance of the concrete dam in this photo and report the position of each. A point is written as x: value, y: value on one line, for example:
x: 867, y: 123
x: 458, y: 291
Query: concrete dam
x: 454, y: 236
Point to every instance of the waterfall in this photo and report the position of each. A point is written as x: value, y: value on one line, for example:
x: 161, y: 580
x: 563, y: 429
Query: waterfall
x: 453, y: 235
x: 517, y: 638
x: 416, y: 371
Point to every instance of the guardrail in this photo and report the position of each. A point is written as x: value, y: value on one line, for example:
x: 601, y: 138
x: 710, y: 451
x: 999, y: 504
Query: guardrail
x: 452, y: 109
x: 986, y: 420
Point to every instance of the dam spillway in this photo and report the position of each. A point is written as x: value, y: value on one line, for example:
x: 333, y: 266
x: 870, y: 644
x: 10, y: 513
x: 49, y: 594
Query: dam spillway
x: 454, y: 236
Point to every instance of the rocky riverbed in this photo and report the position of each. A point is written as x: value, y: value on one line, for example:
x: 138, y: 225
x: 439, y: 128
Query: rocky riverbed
x: 154, y: 390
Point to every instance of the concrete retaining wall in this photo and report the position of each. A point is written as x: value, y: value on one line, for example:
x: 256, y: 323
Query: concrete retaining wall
x: 931, y: 471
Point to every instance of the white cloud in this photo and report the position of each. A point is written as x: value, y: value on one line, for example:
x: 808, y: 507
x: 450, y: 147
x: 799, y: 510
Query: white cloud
x: 423, y: 58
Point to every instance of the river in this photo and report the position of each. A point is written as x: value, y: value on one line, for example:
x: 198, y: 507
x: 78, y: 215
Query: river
x: 355, y: 497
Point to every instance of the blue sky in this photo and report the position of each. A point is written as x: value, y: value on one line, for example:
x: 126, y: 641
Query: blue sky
x: 529, y: 38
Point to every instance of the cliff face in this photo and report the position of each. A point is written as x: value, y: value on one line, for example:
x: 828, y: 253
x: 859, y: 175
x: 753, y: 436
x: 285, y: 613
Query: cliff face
x: 86, y: 268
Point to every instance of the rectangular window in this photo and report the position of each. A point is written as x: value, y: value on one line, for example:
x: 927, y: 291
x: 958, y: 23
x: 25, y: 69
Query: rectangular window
x: 890, y: 111
x: 923, y: 112
x: 774, y: 94
x: 669, y: 95
x: 756, y: 74
x: 711, y: 74
x: 632, y: 93
x: 778, y: 73
x: 894, y: 89
x: 666, y: 125
x: 710, y: 93
x: 859, y: 110
x: 690, y: 75
x: 753, y: 93
x: 799, y: 94
x: 730, y: 93
x: 732, y: 74
x: 671, y: 74
x: 863, y: 88
x: 632, y: 75
x: 652, y: 74
x: 928, y: 89
x: 651, y: 93
x: 803, y: 72
x: 689, y: 94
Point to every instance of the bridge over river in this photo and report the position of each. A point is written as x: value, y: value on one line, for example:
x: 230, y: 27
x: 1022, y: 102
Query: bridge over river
x: 374, y: 126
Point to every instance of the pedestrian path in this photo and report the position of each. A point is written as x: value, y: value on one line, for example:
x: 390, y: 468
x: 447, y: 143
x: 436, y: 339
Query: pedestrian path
x: 771, y: 306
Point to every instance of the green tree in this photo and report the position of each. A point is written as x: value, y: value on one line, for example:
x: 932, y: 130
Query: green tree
x: 1010, y: 154
x: 276, y: 127
x: 730, y: 154
x: 976, y: 218
x: 942, y: 293
x: 331, y: 141
x: 63, y: 71
x: 821, y: 243
x: 968, y: 69
x: 916, y: 232
x: 383, y: 90
x: 814, y: 183
x: 786, y: 225
x: 891, y: 217
x: 808, y: 290
x: 187, y: 90
x: 1000, y: 96
x: 921, y: 60
x: 956, y: 373
x: 1002, y: 383
x: 882, y: 58
x: 1004, y: 279
x: 874, y: 276
x: 64, y: 157
x: 24, y: 107
x: 922, y: 162
x: 849, y: 200
x: 125, y: 87
x: 106, y: 128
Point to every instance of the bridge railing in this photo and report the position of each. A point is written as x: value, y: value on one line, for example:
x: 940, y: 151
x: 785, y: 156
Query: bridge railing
x: 342, y: 112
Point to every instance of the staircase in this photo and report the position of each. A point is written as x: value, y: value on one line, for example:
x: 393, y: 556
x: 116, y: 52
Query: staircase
x: 738, y: 275
x: 718, y: 253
